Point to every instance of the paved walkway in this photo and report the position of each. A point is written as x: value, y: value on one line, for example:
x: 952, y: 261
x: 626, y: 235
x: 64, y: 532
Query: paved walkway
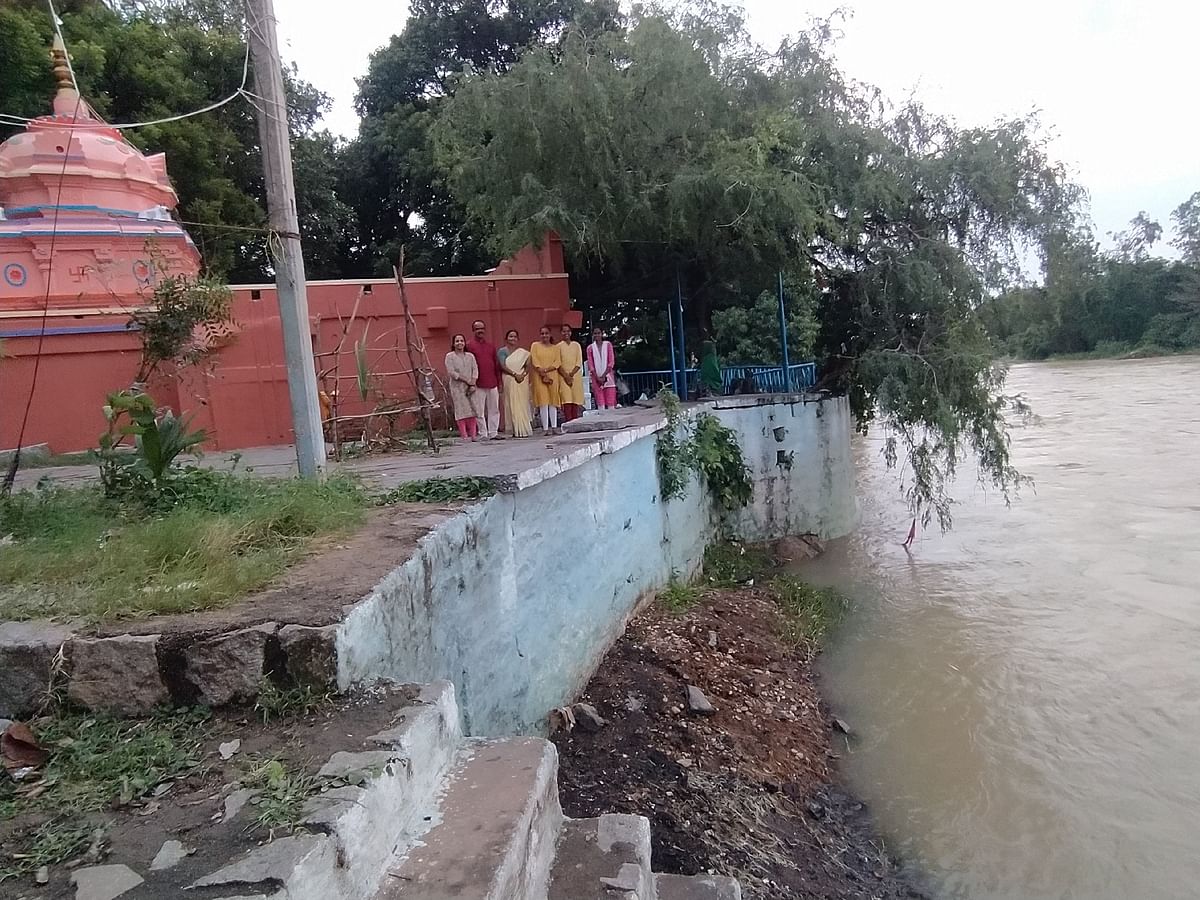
x: 506, y: 458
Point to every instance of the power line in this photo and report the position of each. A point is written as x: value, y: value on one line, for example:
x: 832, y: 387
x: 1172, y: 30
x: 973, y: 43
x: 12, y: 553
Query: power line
x: 11, y: 119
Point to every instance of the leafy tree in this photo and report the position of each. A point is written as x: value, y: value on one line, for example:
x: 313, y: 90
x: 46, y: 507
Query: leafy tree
x: 750, y: 334
x: 1187, y: 229
x: 678, y: 148
x: 152, y: 59
x: 1134, y: 243
x: 389, y: 176
x: 1125, y: 301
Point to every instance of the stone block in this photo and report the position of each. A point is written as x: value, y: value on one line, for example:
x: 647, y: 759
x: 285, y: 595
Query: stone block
x: 228, y: 668
x: 27, y: 652
x: 311, y: 655
x: 104, y: 882
x: 117, y: 674
x: 270, y: 864
x: 357, y: 768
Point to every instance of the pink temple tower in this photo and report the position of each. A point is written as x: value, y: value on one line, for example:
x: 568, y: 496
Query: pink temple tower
x: 85, y: 229
x: 73, y: 181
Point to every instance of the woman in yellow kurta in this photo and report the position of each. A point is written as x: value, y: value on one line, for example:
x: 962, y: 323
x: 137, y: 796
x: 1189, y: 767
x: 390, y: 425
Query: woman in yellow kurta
x: 570, y: 373
x: 514, y: 361
x: 546, y: 361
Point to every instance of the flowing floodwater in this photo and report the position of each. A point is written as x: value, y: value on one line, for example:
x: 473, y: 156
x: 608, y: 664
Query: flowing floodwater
x: 1026, y: 689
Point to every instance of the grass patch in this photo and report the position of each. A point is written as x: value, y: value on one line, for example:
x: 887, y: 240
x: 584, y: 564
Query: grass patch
x: 52, y: 843
x: 679, y: 596
x: 70, y: 551
x: 276, y: 703
x: 441, y: 490
x: 281, y: 793
x: 95, y: 762
x: 99, y: 760
x: 729, y: 564
x: 808, y: 612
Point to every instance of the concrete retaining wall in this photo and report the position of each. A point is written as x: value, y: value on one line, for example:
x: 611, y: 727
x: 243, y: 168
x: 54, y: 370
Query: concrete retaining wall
x: 517, y: 599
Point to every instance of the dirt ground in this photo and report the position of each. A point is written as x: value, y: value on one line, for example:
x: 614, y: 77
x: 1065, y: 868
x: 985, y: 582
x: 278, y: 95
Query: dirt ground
x: 750, y: 791
x: 191, y: 808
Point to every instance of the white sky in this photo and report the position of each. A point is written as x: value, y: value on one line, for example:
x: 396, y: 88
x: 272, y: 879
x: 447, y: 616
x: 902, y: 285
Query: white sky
x: 1114, y: 80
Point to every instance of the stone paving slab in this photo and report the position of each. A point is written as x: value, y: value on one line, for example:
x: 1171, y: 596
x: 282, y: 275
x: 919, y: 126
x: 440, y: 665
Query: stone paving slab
x: 492, y: 459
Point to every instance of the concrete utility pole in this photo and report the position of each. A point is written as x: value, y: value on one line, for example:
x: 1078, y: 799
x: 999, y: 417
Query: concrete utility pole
x: 290, y: 283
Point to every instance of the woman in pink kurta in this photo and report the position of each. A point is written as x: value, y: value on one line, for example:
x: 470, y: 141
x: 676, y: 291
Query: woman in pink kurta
x: 463, y: 372
x: 602, y: 368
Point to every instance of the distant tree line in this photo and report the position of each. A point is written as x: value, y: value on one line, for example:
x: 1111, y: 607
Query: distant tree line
x: 1121, y: 302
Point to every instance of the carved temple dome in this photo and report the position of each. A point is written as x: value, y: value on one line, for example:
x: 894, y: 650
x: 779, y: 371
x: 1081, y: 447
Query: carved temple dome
x: 73, y: 179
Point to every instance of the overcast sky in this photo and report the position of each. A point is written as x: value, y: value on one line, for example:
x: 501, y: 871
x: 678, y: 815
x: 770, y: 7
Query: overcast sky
x: 1114, y: 80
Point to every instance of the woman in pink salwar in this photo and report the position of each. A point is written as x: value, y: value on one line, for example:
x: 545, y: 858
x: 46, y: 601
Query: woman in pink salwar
x: 602, y: 368
x: 463, y: 371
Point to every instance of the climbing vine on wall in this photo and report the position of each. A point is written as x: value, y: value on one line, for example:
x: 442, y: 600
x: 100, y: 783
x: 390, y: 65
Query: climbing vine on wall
x: 704, y: 446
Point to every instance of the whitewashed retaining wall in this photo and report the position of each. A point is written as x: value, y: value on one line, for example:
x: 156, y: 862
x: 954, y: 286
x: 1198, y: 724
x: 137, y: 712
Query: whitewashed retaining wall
x: 517, y: 599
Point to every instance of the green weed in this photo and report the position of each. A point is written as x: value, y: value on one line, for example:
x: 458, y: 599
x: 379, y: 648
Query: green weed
x: 95, y: 762
x: 679, y: 596
x: 276, y: 703
x: 808, y: 612
x: 728, y: 564
x: 53, y: 842
x: 440, y: 490
x: 282, y: 793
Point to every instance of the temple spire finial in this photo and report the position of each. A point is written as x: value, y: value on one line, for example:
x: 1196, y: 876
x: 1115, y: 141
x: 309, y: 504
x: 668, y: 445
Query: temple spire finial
x: 67, y: 101
x: 62, y: 69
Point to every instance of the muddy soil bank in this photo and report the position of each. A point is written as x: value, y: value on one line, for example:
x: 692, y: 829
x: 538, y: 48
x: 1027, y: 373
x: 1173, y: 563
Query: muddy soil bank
x: 750, y: 790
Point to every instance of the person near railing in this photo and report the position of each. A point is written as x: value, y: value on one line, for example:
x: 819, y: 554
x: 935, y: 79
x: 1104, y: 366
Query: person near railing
x: 602, y: 367
x: 570, y: 374
x: 710, y: 371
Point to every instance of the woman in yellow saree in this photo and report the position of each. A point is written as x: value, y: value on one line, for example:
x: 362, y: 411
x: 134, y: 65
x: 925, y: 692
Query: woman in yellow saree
x: 515, y: 362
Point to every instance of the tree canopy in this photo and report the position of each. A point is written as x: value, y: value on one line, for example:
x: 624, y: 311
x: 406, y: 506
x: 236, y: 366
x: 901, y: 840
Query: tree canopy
x: 1125, y: 301
x: 139, y: 61
x: 389, y: 175
x: 676, y: 148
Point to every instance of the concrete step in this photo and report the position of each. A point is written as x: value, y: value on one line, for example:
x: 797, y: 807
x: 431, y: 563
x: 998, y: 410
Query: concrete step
x: 352, y: 832
x: 606, y: 858
x: 493, y: 831
x: 696, y: 887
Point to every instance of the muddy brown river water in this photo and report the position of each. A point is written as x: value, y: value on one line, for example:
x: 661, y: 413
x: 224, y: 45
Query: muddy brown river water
x: 1026, y: 689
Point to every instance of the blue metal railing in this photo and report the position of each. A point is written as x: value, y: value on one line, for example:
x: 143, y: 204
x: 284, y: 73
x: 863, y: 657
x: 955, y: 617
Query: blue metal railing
x: 766, y: 379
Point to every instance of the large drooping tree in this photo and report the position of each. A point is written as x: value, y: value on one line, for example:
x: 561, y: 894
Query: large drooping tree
x: 675, y: 151
x: 388, y: 174
x: 142, y: 60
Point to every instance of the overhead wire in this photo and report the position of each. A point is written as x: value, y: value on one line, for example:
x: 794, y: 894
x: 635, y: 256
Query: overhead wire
x: 11, y: 119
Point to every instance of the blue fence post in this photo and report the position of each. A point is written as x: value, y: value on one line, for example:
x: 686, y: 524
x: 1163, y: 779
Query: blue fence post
x: 671, y: 331
x: 683, y: 360
x: 787, y: 369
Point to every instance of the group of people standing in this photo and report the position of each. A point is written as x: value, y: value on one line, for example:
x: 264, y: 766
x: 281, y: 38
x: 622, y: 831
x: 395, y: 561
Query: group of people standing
x: 546, y: 379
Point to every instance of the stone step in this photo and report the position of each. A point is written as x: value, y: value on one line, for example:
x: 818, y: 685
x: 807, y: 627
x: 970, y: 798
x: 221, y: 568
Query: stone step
x: 605, y: 858
x: 352, y: 833
x: 494, y: 828
x: 696, y: 887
